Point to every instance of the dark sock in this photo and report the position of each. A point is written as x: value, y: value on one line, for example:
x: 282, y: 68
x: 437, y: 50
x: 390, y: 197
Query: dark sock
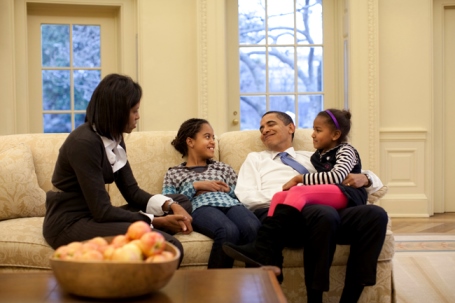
x: 351, y: 293
x: 314, y: 296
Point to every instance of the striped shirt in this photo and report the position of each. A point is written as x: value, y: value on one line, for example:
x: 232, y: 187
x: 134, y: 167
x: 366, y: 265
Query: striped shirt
x: 334, y: 165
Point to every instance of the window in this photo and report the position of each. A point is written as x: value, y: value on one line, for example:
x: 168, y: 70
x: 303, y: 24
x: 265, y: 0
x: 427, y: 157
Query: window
x: 282, y: 56
x: 71, y: 70
x: 71, y: 47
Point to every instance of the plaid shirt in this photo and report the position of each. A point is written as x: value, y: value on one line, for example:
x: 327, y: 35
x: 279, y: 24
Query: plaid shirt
x: 179, y: 180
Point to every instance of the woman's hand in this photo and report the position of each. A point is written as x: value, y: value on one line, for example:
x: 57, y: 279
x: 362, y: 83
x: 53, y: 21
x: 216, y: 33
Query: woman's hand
x: 210, y: 185
x: 293, y: 182
x: 177, y: 209
x: 174, y: 223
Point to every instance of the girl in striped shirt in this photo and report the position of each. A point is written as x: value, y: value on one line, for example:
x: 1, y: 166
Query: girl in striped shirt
x: 334, y: 159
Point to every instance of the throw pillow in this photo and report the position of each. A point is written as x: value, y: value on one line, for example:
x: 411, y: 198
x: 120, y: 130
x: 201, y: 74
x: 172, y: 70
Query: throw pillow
x: 20, y: 194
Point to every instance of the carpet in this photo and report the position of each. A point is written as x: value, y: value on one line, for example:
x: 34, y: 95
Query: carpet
x: 424, y: 268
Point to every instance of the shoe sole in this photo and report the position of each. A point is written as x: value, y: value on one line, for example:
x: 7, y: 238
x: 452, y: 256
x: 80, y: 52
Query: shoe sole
x: 235, y: 254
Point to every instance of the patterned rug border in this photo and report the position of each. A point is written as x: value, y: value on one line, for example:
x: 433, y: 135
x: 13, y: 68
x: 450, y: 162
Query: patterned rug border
x: 424, y: 243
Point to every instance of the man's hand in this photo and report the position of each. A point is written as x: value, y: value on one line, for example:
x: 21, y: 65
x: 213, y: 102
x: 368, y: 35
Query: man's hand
x: 293, y: 182
x: 356, y: 180
x: 174, y: 223
x: 211, y: 185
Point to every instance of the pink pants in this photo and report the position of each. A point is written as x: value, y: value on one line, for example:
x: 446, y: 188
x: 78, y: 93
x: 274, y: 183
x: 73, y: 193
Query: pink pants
x: 298, y: 196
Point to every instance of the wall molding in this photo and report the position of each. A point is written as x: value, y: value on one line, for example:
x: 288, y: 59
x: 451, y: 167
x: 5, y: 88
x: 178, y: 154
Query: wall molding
x: 404, y: 169
x: 373, y: 75
x: 203, y: 69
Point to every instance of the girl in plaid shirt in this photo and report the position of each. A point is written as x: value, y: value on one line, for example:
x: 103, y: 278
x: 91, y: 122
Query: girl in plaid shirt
x: 209, y: 184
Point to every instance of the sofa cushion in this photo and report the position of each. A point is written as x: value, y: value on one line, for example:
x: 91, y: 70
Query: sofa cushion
x: 20, y: 194
x: 23, y: 245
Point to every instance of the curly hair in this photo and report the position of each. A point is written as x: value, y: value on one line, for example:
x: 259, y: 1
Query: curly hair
x: 189, y: 128
x: 343, y: 118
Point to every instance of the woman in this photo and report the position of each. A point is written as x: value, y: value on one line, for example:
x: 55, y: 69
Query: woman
x: 94, y: 154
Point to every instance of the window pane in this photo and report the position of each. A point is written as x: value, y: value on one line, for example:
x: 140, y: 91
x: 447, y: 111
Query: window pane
x: 57, y: 123
x: 252, y: 69
x: 55, y: 45
x: 281, y: 69
x: 309, y: 107
x: 56, y: 89
x: 86, y: 46
x: 309, y: 61
x: 283, y: 103
x: 79, y: 119
x: 280, y: 21
x: 251, y: 110
x: 85, y: 82
x: 309, y: 22
x: 251, y: 21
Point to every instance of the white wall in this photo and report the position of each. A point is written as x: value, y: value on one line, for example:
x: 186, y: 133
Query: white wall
x: 181, y: 62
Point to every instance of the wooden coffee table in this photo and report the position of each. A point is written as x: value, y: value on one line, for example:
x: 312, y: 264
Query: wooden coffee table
x: 190, y: 286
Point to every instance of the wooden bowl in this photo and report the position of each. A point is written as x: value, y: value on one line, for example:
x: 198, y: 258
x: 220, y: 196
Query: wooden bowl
x: 114, y: 279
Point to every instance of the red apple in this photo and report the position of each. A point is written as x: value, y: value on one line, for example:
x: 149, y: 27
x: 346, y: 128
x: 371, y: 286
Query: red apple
x: 119, y: 241
x: 137, y: 229
x: 90, y: 255
x: 108, y: 252
x: 127, y: 253
x: 100, y: 241
x: 152, y: 243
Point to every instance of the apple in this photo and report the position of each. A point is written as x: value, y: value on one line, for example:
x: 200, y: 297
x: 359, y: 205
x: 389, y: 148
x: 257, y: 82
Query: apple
x: 90, y: 255
x: 108, y: 252
x: 152, y: 243
x: 137, y: 229
x: 127, y: 253
x: 61, y: 252
x: 119, y: 241
x: 100, y: 241
x: 162, y: 257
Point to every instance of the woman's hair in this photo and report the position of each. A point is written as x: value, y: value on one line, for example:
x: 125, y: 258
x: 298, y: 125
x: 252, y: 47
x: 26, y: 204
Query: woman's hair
x: 189, y: 128
x: 110, y: 105
x: 338, y: 119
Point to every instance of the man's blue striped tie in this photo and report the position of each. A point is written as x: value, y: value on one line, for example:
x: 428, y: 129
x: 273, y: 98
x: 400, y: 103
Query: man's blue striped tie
x: 292, y: 163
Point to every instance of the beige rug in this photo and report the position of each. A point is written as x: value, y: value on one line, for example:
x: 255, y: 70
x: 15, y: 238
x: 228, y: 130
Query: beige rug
x: 424, y: 268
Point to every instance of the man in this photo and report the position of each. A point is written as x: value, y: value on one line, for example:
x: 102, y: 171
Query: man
x: 320, y: 227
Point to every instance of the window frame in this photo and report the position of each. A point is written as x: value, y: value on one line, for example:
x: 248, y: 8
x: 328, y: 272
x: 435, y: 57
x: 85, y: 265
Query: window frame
x: 333, y: 64
x: 126, y: 62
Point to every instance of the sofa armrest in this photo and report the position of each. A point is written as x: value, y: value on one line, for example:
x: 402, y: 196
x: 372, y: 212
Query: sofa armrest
x: 377, y: 195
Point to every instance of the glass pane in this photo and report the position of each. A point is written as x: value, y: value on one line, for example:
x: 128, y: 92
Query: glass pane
x: 56, y: 89
x: 309, y: 60
x: 251, y: 21
x: 86, y: 46
x: 252, y: 69
x: 280, y: 21
x: 85, y: 82
x: 309, y: 21
x: 283, y: 103
x: 55, y: 45
x: 57, y: 123
x: 281, y: 69
x: 309, y: 107
x: 251, y: 110
x: 79, y: 119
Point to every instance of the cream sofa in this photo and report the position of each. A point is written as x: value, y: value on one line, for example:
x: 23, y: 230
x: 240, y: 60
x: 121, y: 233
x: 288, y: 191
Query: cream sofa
x: 26, y: 166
